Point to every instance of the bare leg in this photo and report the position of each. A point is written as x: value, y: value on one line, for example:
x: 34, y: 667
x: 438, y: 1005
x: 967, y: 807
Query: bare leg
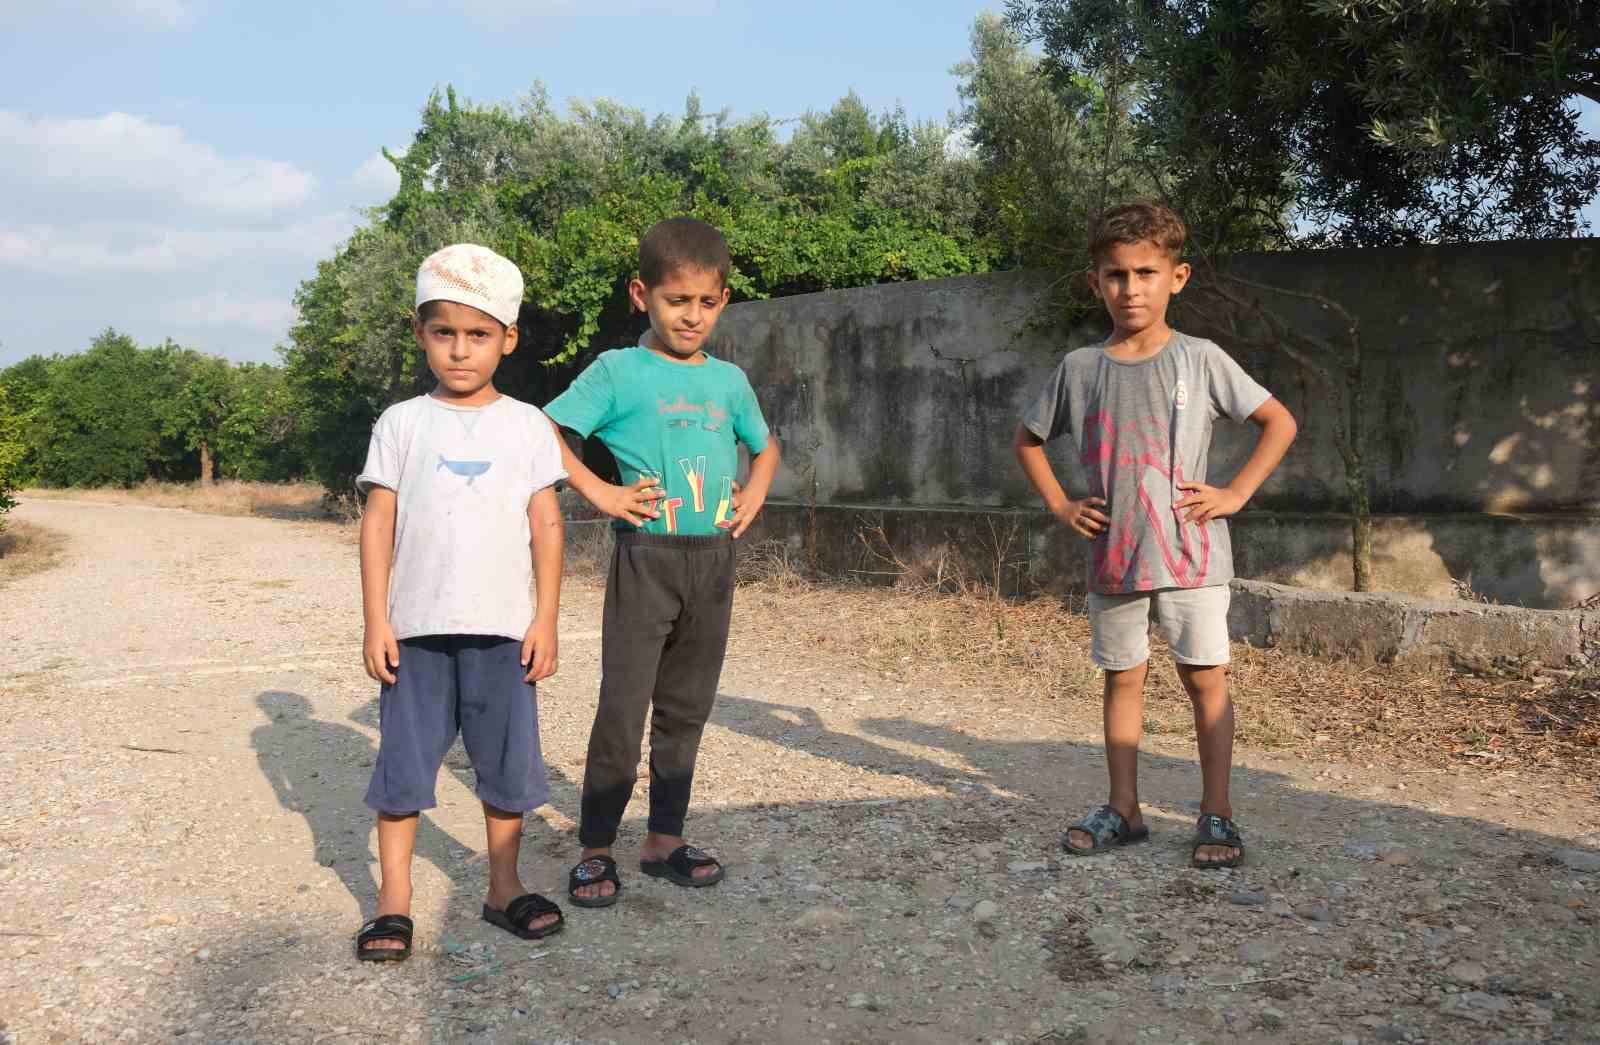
x: 1124, y: 725
x: 1213, y: 727
x: 504, y: 831
x: 397, y: 840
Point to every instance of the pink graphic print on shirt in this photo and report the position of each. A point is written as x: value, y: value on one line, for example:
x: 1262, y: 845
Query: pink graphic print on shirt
x: 1140, y: 448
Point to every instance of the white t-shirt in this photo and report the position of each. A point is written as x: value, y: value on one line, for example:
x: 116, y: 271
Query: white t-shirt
x: 462, y: 478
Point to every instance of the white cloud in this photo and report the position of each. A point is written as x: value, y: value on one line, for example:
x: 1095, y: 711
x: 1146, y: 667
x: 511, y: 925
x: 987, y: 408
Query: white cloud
x: 100, y: 14
x: 377, y: 178
x: 136, y: 247
x: 115, y: 160
x: 263, y: 315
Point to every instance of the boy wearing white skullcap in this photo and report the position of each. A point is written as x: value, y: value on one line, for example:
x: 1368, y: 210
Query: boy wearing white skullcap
x: 460, y: 485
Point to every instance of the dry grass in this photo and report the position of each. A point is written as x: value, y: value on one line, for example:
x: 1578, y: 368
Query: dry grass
x: 272, y: 500
x: 1038, y: 650
x: 26, y: 548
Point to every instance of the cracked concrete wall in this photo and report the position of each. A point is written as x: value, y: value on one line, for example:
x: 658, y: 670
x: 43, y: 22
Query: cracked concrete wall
x: 1482, y: 378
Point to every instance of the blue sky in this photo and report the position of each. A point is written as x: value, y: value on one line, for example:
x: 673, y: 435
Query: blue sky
x: 177, y: 167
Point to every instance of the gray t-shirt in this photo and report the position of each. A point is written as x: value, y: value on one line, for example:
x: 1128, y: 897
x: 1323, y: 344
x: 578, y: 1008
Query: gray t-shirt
x: 462, y: 478
x: 1141, y: 429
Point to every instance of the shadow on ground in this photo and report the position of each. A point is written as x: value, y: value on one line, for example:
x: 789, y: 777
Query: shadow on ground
x: 860, y: 920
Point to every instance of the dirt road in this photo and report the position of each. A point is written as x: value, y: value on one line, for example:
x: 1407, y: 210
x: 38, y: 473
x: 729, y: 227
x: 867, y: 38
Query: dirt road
x: 185, y: 733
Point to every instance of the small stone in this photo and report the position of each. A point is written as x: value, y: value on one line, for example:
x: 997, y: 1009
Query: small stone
x: 616, y: 990
x: 984, y: 910
x: 1394, y: 857
x: 822, y: 917
x: 1470, y: 973
x: 583, y: 988
x: 1578, y: 860
x: 1315, y: 913
x: 1361, y: 850
x: 1027, y: 866
x: 203, y: 954
x: 1247, y: 898
x: 1260, y: 951
x: 164, y: 919
x: 477, y: 1028
x: 857, y: 1000
x: 1167, y: 982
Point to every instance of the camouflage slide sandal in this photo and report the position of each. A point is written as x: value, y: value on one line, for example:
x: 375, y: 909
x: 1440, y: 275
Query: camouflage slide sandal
x: 1108, y: 828
x: 1212, y: 829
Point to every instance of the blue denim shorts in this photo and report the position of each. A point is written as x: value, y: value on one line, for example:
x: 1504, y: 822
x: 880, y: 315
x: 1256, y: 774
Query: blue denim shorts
x: 467, y: 684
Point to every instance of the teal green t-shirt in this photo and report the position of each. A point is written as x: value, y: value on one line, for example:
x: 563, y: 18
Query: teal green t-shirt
x: 678, y: 422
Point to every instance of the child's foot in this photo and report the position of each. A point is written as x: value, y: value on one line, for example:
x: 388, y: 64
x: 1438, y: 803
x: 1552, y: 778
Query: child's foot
x: 502, y: 893
x: 392, y: 899
x: 1217, y: 842
x: 681, y: 863
x: 590, y: 881
x: 1105, y: 828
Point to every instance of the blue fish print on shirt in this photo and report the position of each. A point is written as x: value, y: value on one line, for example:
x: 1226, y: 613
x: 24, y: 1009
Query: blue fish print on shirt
x: 470, y: 469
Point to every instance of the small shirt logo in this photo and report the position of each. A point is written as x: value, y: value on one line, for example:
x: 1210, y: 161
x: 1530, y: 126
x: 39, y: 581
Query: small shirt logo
x: 1180, y: 398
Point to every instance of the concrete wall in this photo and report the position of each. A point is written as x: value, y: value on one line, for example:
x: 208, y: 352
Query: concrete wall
x: 1482, y: 378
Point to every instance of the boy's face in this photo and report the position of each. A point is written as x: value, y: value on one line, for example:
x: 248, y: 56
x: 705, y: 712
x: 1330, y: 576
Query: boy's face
x: 1136, y: 281
x: 464, y: 346
x: 683, y: 308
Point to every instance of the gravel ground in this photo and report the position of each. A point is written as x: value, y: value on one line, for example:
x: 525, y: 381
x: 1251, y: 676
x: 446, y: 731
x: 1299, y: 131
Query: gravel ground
x: 185, y: 733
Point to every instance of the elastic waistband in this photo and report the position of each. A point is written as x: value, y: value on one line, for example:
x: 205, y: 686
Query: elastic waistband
x: 685, y: 541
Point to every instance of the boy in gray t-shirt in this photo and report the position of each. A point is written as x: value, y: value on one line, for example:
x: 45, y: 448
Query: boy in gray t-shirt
x: 1140, y: 407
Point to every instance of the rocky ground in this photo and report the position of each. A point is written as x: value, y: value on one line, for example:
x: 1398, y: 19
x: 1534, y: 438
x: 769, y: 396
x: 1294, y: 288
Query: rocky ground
x: 185, y: 733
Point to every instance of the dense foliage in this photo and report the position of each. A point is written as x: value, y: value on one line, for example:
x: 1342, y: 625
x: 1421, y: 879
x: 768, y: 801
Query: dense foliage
x: 117, y: 414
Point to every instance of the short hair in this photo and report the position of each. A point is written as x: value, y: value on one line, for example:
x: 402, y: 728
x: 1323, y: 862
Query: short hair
x: 682, y: 243
x: 426, y: 310
x: 1136, y: 222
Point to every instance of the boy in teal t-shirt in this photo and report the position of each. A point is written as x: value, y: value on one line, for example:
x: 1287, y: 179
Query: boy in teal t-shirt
x: 673, y: 417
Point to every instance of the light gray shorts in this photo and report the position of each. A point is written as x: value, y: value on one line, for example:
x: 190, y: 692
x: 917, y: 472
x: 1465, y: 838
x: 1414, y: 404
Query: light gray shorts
x: 1195, y: 621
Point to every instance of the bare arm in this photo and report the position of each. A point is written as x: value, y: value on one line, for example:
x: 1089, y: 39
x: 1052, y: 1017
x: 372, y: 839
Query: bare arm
x: 635, y: 503
x: 380, y: 652
x: 546, y: 537
x: 1278, y: 429
x: 749, y: 499
x: 1082, y: 517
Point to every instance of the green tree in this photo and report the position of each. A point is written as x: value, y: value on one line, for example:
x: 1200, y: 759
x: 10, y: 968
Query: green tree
x: 24, y: 384
x: 1352, y: 122
x: 1052, y: 150
x: 12, y: 452
x: 199, y: 406
x: 99, y: 415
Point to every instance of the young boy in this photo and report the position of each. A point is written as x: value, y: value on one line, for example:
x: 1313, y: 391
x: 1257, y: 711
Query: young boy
x: 460, y: 485
x: 672, y: 416
x: 1139, y: 408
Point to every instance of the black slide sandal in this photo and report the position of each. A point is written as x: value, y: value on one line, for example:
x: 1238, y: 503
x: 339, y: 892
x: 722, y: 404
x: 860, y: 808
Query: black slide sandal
x: 385, y: 927
x: 678, y: 868
x: 1212, y: 829
x: 593, y: 871
x: 524, y: 909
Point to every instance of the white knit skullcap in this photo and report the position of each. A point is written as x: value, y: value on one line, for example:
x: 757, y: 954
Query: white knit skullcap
x: 472, y: 275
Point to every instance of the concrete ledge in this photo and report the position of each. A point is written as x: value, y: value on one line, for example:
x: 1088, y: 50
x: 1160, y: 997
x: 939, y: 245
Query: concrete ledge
x: 1378, y: 628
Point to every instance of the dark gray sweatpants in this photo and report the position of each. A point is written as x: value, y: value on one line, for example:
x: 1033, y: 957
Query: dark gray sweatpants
x: 669, y: 600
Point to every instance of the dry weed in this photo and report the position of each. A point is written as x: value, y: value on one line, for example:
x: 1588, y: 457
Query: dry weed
x: 27, y: 548
x: 301, y: 501
x: 1038, y: 649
